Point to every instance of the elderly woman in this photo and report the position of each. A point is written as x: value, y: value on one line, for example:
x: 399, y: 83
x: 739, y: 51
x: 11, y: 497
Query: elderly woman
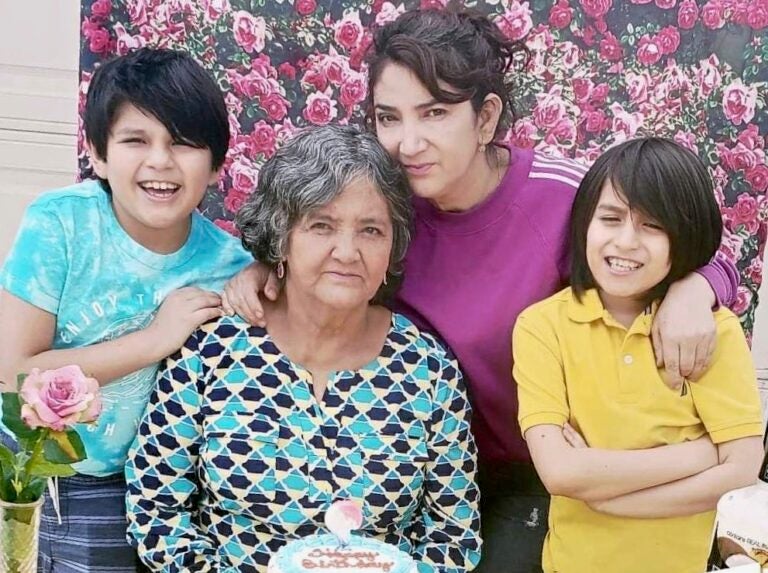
x: 252, y: 433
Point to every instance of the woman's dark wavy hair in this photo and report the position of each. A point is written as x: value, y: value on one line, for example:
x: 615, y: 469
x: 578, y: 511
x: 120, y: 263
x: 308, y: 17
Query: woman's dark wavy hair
x: 666, y: 182
x: 465, y: 50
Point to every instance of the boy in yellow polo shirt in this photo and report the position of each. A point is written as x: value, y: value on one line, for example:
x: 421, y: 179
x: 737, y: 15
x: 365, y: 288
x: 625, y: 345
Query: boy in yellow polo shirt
x: 634, y: 467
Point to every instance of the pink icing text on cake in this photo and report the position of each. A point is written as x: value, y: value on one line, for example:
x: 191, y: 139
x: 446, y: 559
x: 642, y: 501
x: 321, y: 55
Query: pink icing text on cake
x: 354, y: 560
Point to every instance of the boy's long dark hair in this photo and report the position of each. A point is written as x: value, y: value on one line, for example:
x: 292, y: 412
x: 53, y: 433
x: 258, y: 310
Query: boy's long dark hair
x: 666, y: 182
x: 166, y: 84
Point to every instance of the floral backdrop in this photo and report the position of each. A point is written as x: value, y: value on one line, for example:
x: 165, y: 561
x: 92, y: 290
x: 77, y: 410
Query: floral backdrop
x: 601, y: 71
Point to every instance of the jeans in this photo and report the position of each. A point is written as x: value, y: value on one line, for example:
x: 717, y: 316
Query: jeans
x: 514, y: 508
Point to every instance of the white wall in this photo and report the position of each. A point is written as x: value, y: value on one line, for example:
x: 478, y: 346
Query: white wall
x: 38, y: 118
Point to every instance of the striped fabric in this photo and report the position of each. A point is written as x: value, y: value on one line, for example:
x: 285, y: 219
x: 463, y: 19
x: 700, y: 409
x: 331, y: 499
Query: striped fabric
x: 566, y: 171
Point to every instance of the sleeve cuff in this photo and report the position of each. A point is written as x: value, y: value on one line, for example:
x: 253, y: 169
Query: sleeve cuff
x: 541, y: 418
x: 737, y: 432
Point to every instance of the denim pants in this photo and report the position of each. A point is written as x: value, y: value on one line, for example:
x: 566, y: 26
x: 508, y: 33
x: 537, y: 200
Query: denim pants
x: 514, y: 507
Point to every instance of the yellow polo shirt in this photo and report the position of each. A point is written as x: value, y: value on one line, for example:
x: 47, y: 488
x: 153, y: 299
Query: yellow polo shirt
x: 575, y: 363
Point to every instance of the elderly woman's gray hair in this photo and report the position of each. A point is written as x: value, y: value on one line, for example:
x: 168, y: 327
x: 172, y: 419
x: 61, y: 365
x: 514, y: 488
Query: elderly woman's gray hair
x: 310, y: 171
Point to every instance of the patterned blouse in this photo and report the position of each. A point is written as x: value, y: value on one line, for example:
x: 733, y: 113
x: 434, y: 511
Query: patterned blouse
x: 235, y: 457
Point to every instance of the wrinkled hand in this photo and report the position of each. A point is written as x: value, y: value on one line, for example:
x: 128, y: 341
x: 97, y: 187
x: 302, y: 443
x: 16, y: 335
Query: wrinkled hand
x: 241, y: 293
x: 684, y: 333
x: 182, y: 311
x: 574, y: 439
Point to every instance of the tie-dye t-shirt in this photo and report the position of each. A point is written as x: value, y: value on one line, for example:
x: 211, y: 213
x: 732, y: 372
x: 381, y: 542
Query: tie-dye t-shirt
x: 73, y: 259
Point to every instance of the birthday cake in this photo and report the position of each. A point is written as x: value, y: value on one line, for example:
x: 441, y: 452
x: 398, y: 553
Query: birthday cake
x: 323, y: 554
x: 340, y: 551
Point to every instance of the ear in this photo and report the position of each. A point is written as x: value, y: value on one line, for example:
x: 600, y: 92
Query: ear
x: 488, y: 118
x: 99, y: 165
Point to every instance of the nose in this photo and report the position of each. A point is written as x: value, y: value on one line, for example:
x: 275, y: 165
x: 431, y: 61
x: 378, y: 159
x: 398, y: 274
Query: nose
x: 345, y: 250
x: 627, y: 235
x: 412, y: 141
x: 159, y: 157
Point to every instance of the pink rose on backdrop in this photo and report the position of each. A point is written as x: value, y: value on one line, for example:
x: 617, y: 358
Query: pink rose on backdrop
x: 571, y: 54
x: 757, y: 177
x: 305, y: 7
x: 562, y: 134
x: 648, y: 50
x: 560, y: 15
x: 335, y: 67
x: 320, y: 108
x: 58, y: 399
x: 348, y: 30
x: 262, y: 139
x: 101, y: 8
x: 610, y: 48
x: 550, y: 108
x: 739, y: 102
x: 250, y: 31
x: 708, y: 75
x: 523, y: 134
x: 668, y: 39
x: 287, y: 70
x: 515, y: 22
x: 743, y: 299
x: 596, y: 122
x: 582, y: 89
x: 637, y: 86
x: 244, y: 176
x: 234, y: 200
x: 389, y: 13
x: 751, y: 138
x: 666, y: 4
x: 713, y: 14
x: 275, y: 106
x: 596, y: 8
x: 126, y: 42
x: 744, y: 212
x: 641, y: 1
x: 757, y: 15
x: 353, y: 88
x: 625, y: 124
x: 215, y: 8
x: 687, y: 14
x: 686, y: 139
x: 137, y: 12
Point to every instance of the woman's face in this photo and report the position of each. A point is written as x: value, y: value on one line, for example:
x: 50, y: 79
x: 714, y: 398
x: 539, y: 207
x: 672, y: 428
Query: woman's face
x: 437, y: 143
x: 339, y: 254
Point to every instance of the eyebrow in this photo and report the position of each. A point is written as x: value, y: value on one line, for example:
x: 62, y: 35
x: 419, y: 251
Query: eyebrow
x: 364, y: 221
x: 424, y: 105
x: 612, y: 208
x: 128, y: 131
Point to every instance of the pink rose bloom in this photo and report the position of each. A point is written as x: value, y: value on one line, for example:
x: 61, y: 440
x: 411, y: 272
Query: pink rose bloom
x: 244, y: 176
x: 757, y: 15
x: 98, y: 42
x: 742, y: 157
x: 523, y: 134
x: 348, y: 31
x: 582, y: 89
x: 751, y: 138
x: 215, y: 8
x: 648, y: 51
x: 389, y: 13
x: 708, y: 75
x: 101, y: 8
x: 713, y: 14
x: 275, y: 106
x: 610, y: 48
x: 686, y: 139
x: 743, y: 300
x: 571, y: 54
x: 335, y: 67
x: 126, y: 42
x: 550, y: 108
x: 596, y: 122
x: 250, y: 32
x: 668, y: 39
x: 234, y: 200
x: 353, y: 89
x: 263, y: 138
x: 596, y: 8
x: 59, y: 398
x: 320, y: 109
x: 315, y: 74
x: 745, y: 212
x: 305, y: 7
x: 515, y: 22
x: 739, y: 102
x: 600, y: 94
x: 666, y: 4
x: 641, y: 1
x: 757, y: 177
x: 137, y: 12
x: 563, y: 133
x: 287, y: 70
x: 687, y: 15
x: 625, y: 124
x: 637, y: 86
x: 560, y: 15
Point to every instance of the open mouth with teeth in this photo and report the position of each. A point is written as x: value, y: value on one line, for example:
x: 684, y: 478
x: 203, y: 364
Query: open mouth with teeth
x: 622, y: 265
x: 159, y: 189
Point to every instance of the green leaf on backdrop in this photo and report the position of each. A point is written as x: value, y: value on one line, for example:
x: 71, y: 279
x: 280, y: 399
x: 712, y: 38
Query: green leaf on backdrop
x: 12, y: 418
x: 64, y: 447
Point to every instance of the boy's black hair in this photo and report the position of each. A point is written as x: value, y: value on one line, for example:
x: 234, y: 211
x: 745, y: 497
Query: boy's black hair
x: 667, y: 183
x: 166, y: 84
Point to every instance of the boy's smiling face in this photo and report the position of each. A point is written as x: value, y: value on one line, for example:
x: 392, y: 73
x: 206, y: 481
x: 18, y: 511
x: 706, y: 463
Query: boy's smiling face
x: 156, y: 182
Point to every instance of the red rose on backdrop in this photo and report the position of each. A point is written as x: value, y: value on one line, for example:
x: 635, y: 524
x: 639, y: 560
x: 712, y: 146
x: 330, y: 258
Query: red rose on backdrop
x: 275, y: 105
x: 320, y: 109
x: 668, y: 39
x: 515, y: 22
x: 596, y: 8
x: 234, y: 199
x: 757, y: 177
x: 250, y: 32
x: 739, y: 102
x: 348, y: 31
x: 708, y: 75
x: 713, y: 14
x: 353, y: 89
x: 687, y: 15
x: 757, y: 15
x: 648, y: 50
x: 582, y: 89
x: 550, y: 108
x: 560, y: 15
x: 101, y: 8
x: 751, y: 137
x: 666, y: 4
x: 610, y: 48
x: 99, y: 41
x: 215, y: 8
x: 287, y: 70
x: 263, y: 139
x: 597, y: 121
x: 305, y: 7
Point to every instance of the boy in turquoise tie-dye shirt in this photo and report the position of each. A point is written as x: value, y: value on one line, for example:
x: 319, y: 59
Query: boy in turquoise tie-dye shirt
x: 114, y: 274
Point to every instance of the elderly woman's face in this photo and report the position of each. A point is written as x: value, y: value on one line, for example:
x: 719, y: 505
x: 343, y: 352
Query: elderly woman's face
x: 339, y: 254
